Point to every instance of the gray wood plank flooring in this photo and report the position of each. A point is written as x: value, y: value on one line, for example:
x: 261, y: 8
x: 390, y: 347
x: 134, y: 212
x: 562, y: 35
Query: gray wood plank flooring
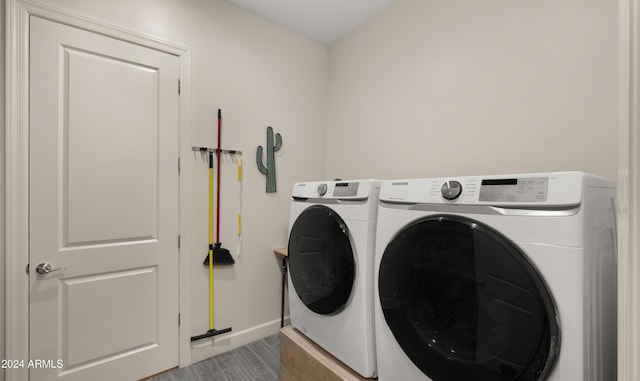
x: 257, y: 361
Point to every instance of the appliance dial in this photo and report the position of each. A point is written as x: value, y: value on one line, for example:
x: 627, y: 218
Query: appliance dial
x: 451, y: 190
x: 322, y: 189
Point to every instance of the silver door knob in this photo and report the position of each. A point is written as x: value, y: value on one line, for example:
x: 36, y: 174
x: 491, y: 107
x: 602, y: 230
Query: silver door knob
x: 46, y: 268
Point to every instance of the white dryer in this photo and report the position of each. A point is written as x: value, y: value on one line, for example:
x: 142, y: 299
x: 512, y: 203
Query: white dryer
x: 331, y: 258
x: 495, y: 278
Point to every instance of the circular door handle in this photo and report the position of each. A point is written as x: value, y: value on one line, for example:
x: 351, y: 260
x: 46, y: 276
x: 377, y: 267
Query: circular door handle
x: 46, y: 268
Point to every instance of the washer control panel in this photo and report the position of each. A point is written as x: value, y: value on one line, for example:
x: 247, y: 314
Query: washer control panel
x: 535, y: 189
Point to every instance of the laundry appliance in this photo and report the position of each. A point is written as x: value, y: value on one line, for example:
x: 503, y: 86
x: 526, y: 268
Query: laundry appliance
x: 495, y: 278
x: 331, y: 259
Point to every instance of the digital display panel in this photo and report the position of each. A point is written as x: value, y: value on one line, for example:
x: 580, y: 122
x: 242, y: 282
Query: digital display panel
x: 500, y: 182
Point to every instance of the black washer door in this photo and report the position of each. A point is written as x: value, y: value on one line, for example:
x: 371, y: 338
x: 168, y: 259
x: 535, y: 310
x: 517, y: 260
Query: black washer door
x: 465, y: 304
x: 321, y: 260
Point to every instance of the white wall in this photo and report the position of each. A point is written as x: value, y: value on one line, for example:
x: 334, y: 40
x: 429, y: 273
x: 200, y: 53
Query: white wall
x: 435, y: 88
x: 260, y: 75
x: 2, y: 153
x: 629, y: 194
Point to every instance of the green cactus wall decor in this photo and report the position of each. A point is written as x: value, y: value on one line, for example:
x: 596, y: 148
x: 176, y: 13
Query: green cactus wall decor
x: 270, y: 169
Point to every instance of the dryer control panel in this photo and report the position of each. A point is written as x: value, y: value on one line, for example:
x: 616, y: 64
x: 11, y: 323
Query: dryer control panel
x: 342, y: 190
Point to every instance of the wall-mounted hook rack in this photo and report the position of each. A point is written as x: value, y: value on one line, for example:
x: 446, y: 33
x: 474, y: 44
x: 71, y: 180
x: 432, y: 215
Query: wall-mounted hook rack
x: 215, y: 150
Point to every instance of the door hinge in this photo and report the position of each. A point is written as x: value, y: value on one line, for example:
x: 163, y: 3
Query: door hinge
x: 178, y: 242
x: 179, y: 317
x: 178, y: 164
x: 27, y: 269
x: 179, y: 87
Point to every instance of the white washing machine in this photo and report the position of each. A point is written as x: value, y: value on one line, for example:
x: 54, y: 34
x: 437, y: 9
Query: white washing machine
x: 331, y: 257
x: 495, y: 278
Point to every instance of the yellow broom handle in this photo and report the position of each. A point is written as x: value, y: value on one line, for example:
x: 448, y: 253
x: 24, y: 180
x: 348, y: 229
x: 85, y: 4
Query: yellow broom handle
x: 211, y: 201
x: 240, y: 195
x: 211, y: 290
x: 211, y: 241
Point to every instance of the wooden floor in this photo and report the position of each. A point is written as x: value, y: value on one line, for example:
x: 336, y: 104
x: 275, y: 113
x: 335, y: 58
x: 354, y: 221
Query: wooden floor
x: 258, y: 361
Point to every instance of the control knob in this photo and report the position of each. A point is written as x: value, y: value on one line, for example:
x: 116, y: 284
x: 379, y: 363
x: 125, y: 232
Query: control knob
x: 451, y: 190
x: 322, y: 189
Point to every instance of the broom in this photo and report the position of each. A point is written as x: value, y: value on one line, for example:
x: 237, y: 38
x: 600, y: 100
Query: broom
x: 211, y: 255
x: 221, y: 256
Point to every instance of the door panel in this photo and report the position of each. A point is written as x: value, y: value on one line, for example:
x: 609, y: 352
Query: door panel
x: 83, y: 311
x: 111, y: 148
x: 103, y: 205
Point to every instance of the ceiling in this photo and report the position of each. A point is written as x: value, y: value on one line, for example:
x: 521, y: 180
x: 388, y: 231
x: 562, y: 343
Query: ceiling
x: 325, y: 21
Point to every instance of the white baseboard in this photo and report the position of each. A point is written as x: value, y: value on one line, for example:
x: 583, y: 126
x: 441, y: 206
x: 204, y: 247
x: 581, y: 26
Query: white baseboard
x: 203, y: 349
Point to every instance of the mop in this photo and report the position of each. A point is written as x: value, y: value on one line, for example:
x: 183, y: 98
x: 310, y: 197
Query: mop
x: 239, y: 206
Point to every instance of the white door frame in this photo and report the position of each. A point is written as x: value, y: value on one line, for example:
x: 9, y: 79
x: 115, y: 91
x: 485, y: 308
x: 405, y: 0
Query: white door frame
x: 629, y: 191
x: 17, y: 171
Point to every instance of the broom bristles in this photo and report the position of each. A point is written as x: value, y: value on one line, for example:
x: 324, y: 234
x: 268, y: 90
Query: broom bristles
x: 221, y: 256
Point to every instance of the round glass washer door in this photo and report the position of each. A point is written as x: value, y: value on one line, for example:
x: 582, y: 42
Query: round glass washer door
x: 321, y: 260
x: 465, y: 303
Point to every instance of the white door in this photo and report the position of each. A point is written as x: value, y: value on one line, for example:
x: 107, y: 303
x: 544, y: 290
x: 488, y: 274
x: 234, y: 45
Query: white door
x: 103, y: 206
